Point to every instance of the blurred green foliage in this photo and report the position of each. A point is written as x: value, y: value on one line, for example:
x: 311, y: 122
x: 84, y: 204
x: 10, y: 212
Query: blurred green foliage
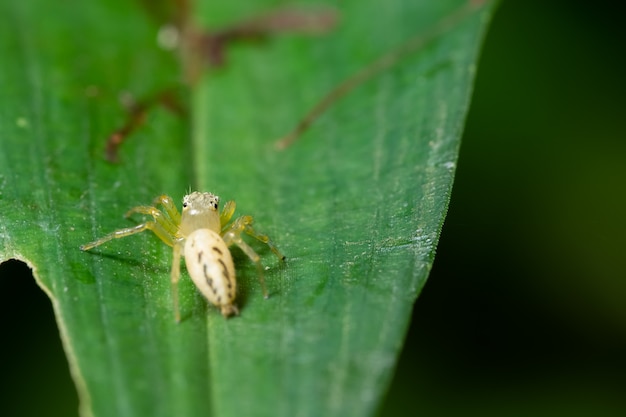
x: 524, y: 312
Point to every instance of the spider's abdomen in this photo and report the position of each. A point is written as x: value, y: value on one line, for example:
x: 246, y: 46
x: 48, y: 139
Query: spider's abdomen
x: 211, y: 268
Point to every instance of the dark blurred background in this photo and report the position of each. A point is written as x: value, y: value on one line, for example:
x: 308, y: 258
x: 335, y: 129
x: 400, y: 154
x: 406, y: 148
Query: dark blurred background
x: 525, y: 310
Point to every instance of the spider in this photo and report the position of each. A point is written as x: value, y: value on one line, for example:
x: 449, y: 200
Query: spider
x: 202, y: 235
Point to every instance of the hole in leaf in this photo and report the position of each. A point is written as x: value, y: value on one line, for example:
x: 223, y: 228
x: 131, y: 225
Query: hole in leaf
x: 35, y: 374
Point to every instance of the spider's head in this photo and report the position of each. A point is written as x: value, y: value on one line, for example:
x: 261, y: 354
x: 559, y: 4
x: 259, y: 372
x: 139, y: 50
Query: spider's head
x: 197, y: 202
x: 200, y: 211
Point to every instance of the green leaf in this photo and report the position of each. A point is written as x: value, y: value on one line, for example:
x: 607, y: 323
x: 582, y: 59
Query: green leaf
x: 356, y: 204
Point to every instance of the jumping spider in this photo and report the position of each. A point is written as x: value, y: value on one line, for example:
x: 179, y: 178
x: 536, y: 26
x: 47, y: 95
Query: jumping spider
x: 202, y: 235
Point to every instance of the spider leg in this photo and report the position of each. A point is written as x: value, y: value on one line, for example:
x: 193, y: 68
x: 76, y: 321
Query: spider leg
x: 265, y: 239
x: 118, y: 234
x: 227, y: 214
x: 232, y: 235
x: 169, y: 206
x: 167, y: 224
x: 244, y: 224
x: 175, y: 277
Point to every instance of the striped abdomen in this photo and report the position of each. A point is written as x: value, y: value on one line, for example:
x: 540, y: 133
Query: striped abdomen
x: 211, y: 268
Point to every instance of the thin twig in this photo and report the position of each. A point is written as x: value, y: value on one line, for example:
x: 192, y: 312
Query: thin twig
x: 383, y: 63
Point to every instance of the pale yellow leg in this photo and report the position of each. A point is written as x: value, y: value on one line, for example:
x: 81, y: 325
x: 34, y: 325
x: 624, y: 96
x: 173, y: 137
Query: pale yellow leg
x: 175, y: 278
x: 167, y: 224
x: 244, y: 224
x: 170, y: 208
x: 265, y: 239
x: 118, y: 234
x: 233, y: 237
x: 227, y: 214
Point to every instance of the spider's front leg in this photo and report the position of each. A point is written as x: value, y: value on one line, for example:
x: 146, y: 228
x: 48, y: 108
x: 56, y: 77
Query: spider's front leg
x: 165, y: 227
x: 118, y: 234
x: 170, y: 208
